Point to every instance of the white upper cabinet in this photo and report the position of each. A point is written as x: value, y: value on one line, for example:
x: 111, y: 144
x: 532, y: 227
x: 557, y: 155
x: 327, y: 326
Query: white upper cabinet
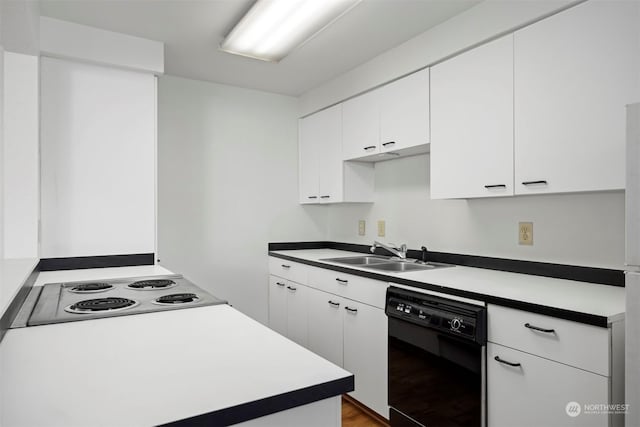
x: 391, y: 119
x: 324, y: 177
x: 404, y: 112
x: 361, y: 126
x: 472, y: 123
x: 308, y: 162
x: 574, y: 74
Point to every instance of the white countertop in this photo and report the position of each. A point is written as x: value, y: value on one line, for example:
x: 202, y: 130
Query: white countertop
x: 582, y: 297
x: 146, y: 369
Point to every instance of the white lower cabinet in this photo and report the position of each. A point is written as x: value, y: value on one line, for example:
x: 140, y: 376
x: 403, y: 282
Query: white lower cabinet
x: 365, y: 354
x: 347, y: 325
x: 325, y: 325
x: 545, y: 371
x: 288, y: 309
x: 540, y: 392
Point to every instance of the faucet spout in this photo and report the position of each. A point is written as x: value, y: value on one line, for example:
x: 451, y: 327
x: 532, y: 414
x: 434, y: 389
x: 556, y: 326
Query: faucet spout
x: 400, y: 252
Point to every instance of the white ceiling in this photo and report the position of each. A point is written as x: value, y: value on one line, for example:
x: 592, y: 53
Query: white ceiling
x: 193, y: 29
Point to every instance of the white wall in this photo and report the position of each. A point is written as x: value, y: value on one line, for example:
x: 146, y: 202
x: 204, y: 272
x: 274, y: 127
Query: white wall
x: 19, y: 27
x: 21, y: 155
x: 577, y: 229
x: 68, y: 40
x: 227, y: 185
x: 480, y: 23
x: 98, y: 131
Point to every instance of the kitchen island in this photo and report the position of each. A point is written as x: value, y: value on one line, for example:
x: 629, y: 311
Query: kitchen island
x: 199, y: 366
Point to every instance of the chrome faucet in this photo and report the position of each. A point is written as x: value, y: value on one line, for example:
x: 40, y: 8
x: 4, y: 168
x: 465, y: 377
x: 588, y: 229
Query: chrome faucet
x: 400, y: 252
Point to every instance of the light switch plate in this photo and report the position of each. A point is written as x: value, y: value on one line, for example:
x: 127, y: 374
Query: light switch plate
x: 362, y: 227
x: 381, y: 228
x: 525, y: 233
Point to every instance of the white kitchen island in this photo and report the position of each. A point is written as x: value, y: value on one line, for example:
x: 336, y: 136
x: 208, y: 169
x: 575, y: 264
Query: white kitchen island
x: 198, y: 366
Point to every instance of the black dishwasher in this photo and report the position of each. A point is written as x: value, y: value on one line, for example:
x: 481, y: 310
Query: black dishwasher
x: 437, y: 350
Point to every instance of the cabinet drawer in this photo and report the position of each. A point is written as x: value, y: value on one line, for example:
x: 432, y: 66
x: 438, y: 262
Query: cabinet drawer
x: 537, y: 391
x: 293, y: 271
x: 572, y: 343
x: 368, y: 291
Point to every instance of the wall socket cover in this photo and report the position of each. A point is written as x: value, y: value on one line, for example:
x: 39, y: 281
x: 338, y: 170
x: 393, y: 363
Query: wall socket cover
x: 381, y: 228
x: 525, y: 233
x: 362, y: 227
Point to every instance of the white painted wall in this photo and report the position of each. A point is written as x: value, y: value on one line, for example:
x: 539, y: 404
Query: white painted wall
x: 98, y: 142
x: 19, y: 27
x: 227, y: 185
x: 577, y: 229
x: 21, y: 155
x: 64, y: 39
x: 476, y: 25
x: 1, y: 154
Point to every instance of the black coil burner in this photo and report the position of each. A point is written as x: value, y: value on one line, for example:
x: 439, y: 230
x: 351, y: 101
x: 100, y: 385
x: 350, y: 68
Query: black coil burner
x: 101, y: 305
x: 90, y: 287
x: 152, y: 284
x: 177, y: 299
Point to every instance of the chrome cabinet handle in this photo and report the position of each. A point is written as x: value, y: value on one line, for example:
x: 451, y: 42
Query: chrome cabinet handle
x: 279, y: 284
x: 341, y: 280
x: 286, y: 266
x: 388, y: 143
x: 291, y: 288
x: 369, y: 147
x: 534, y: 182
x: 335, y: 304
x: 351, y: 310
x: 495, y: 186
x: 497, y: 359
x: 537, y: 328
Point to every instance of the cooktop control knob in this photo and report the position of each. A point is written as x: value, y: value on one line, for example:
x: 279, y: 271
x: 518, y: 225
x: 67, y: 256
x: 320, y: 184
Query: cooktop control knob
x: 456, y: 322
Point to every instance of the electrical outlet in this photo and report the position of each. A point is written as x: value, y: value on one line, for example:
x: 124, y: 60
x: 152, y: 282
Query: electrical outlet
x: 362, y: 227
x: 381, y: 228
x: 525, y: 233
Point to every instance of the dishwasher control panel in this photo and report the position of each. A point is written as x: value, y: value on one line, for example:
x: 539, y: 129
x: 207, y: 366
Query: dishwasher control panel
x: 451, y: 317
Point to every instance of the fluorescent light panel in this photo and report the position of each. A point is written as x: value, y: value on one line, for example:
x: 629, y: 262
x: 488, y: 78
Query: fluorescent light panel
x: 273, y: 28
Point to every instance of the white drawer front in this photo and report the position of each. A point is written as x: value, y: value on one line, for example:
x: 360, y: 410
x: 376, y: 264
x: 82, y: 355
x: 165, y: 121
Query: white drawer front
x: 368, y: 291
x: 293, y: 271
x: 572, y: 343
x: 536, y: 392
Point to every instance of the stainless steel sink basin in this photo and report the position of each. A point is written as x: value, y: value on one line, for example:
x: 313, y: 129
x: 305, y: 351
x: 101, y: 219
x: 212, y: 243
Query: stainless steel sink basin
x: 400, y: 267
x: 358, y: 260
x: 380, y: 263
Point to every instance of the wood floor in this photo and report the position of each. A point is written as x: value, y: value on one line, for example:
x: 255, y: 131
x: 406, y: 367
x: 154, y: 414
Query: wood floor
x: 352, y: 416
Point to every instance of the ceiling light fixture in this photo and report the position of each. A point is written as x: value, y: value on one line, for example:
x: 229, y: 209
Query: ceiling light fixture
x: 271, y: 29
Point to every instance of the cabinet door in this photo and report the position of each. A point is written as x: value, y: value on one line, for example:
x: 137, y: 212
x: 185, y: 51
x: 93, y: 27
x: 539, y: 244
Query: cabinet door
x: 538, y: 391
x: 365, y: 354
x: 361, y: 126
x: 574, y: 74
x: 472, y: 123
x: 325, y: 325
x: 308, y: 169
x: 404, y: 112
x: 330, y: 154
x: 278, y: 305
x: 297, y: 314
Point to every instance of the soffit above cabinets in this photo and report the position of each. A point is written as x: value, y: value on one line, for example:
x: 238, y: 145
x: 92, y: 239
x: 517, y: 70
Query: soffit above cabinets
x: 192, y: 31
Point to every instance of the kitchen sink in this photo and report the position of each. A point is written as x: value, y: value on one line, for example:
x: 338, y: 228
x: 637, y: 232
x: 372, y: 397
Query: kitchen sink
x: 359, y: 260
x: 402, y: 266
x: 380, y: 263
